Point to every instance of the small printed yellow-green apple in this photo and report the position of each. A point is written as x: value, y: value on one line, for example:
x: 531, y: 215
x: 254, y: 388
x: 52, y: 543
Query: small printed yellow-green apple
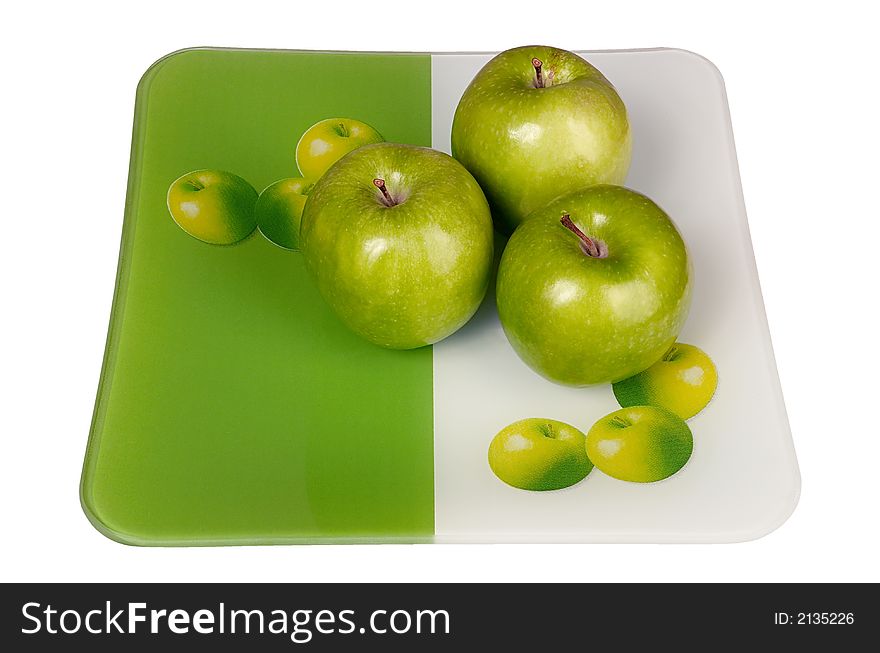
x: 594, y: 287
x: 539, y: 454
x: 641, y: 444
x: 399, y: 239
x: 214, y: 206
x: 279, y: 210
x: 682, y: 381
x: 537, y: 122
x: 327, y: 141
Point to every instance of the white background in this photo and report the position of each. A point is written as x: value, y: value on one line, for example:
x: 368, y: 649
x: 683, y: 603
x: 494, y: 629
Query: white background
x: 801, y: 79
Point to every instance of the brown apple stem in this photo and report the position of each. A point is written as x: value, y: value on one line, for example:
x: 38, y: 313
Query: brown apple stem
x: 380, y: 184
x: 539, y: 75
x: 588, y: 245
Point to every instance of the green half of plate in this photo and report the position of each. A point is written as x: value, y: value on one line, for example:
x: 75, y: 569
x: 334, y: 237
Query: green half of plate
x: 233, y: 406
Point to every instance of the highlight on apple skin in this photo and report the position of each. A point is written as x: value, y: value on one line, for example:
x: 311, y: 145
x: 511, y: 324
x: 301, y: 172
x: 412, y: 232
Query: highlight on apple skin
x: 539, y: 454
x: 537, y: 122
x: 399, y: 240
x: 594, y: 287
x: 279, y: 210
x: 641, y: 444
x: 328, y: 140
x: 683, y: 381
x: 214, y: 206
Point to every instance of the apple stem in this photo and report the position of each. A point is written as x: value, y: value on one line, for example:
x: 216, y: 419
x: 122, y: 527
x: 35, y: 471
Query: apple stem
x: 539, y: 75
x: 380, y: 184
x: 547, y: 431
x: 671, y: 354
x: 588, y: 245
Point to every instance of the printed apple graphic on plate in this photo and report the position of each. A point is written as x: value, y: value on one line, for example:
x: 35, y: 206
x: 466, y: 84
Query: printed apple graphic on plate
x: 539, y: 454
x: 327, y: 141
x: 537, y: 122
x: 279, y: 210
x: 594, y: 287
x: 641, y: 444
x: 682, y: 381
x: 399, y: 239
x: 214, y: 206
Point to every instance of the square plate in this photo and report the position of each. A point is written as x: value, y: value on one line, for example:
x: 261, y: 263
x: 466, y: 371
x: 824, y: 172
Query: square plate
x: 234, y: 408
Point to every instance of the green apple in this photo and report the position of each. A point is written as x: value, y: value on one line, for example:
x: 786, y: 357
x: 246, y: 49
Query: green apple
x: 537, y: 122
x: 539, y: 454
x: 214, y: 206
x: 682, y: 381
x: 399, y: 239
x: 327, y: 141
x: 594, y: 287
x: 279, y: 210
x: 641, y: 444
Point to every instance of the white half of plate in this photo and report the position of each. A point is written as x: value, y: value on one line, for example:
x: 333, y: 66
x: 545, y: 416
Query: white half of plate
x: 742, y: 480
